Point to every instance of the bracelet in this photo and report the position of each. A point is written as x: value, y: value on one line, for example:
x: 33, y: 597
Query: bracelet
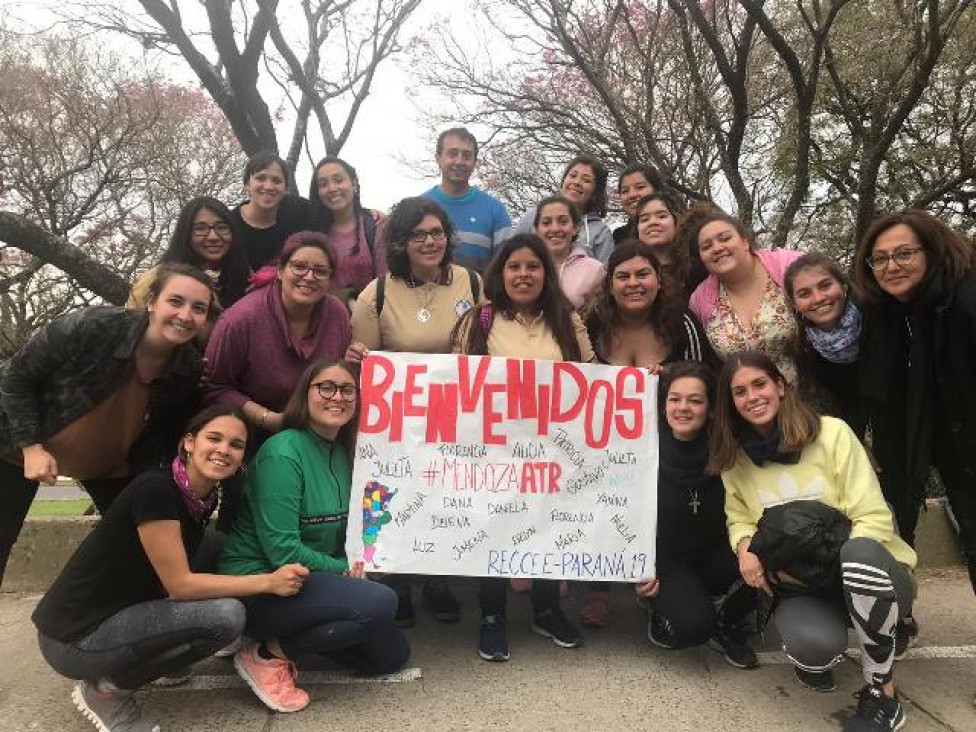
x: 264, y: 417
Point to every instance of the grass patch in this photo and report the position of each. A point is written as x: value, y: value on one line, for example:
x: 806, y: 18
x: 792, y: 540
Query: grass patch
x: 74, y: 507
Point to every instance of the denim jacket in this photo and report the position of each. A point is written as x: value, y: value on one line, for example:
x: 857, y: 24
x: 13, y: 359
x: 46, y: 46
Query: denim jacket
x: 74, y: 363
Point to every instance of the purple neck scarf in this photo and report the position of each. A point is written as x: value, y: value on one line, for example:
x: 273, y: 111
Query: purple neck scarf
x: 199, y: 508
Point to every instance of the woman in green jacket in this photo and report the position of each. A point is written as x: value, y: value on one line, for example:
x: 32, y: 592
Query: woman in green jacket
x: 296, y: 504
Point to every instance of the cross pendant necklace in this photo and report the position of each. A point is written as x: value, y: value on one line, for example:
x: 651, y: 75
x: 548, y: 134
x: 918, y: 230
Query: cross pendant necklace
x: 694, y: 503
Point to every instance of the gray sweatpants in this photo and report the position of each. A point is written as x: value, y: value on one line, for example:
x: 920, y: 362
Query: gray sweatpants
x: 146, y: 641
x: 877, y: 590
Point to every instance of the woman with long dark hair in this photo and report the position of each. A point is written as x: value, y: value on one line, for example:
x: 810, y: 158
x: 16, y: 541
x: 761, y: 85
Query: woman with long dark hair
x: 127, y: 608
x: 527, y: 316
x: 918, y: 358
x: 827, y: 338
x: 694, y: 563
x: 205, y: 237
x: 295, y: 512
x: 357, y: 235
x: 634, y: 183
x: 584, y: 182
x: 809, y: 525
x: 557, y: 222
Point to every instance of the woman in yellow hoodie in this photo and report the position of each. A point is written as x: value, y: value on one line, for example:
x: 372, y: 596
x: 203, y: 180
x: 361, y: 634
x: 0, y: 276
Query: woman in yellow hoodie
x: 772, y: 449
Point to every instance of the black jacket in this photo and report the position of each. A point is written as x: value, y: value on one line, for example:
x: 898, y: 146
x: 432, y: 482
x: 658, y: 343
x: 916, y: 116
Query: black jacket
x: 918, y: 377
x: 803, y: 539
x: 74, y: 363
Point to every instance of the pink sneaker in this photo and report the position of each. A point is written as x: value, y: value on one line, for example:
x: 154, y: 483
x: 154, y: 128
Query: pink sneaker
x: 272, y: 681
x: 595, y: 612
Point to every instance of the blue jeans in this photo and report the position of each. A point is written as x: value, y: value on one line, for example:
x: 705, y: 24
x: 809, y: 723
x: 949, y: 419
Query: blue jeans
x: 146, y: 641
x: 347, y: 620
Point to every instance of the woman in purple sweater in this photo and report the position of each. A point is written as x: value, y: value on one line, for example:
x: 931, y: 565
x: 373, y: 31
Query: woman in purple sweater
x: 260, y: 346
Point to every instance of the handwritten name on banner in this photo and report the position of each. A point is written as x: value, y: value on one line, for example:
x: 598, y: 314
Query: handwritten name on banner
x: 471, y: 465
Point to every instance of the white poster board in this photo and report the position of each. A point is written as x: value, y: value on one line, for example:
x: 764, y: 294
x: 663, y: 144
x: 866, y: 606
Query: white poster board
x: 471, y: 465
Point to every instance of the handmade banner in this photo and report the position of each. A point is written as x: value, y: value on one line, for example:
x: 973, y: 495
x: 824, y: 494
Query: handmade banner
x: 471, y: 465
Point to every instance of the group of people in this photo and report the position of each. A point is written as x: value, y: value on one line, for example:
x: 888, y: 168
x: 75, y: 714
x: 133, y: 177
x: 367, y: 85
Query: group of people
x: 241, y: 348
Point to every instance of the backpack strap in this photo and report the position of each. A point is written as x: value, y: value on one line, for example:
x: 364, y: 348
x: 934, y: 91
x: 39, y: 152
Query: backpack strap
x: 369, y: 232
x: 486, y: 317
x: 475, y: 285
x: 380, y: 294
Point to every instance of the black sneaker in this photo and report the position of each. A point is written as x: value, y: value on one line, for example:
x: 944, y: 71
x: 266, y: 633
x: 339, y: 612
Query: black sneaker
x: 110, y: 710
x: 875, y: 712
x: 553, y: 624
x: 493, y: 639
x: 906, y: 633
x: 816, y: 680
x: 659, y: 631
x: 404, y: 614
x: 441, y: 602
x: 732, y: 644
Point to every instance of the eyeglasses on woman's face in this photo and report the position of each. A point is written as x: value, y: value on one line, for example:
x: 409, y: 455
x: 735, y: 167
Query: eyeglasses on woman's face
x: 328, y: 389
x: 901, y: 257
x: 300, y: 269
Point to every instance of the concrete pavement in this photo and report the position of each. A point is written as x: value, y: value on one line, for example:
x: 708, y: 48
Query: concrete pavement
x: 617, y: 682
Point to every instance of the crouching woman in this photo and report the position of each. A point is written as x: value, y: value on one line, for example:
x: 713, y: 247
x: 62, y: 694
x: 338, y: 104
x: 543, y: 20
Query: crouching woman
x: 127, y: 609
x: 296, y: 504
x: 773, y: 450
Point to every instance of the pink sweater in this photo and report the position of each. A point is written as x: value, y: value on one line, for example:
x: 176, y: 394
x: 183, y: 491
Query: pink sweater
x: 704, y: 300
x: 580, y: 275
x: 253, y: 355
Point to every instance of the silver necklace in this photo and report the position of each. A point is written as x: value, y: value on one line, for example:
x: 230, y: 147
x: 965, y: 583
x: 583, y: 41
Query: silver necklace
x: 423, y: 308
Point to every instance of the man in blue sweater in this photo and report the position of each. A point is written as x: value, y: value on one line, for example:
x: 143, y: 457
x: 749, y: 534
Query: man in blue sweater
x: 480, y: 221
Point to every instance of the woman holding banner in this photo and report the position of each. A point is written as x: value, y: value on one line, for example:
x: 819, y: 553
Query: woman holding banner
x: 694, y: 561
x: 296, y: 504
x: 414, y: 309
x: 639, y: 319
x: 527, y: 316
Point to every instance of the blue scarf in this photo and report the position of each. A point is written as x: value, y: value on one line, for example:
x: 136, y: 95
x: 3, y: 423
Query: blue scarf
x: 839, y: 345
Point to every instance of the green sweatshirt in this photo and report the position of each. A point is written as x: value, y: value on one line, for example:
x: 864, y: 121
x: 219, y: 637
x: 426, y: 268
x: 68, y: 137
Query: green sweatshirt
x: 295, y: 508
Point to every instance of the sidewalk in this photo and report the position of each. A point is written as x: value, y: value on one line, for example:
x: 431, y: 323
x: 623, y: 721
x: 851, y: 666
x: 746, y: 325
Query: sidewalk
x: 617, y: 683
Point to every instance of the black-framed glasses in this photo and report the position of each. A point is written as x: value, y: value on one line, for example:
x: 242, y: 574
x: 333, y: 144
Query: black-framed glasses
x: 300, y: 269
x: 220, y: 228
x: 419, y: 236
x: 901, y: 257
x: 328, y: 389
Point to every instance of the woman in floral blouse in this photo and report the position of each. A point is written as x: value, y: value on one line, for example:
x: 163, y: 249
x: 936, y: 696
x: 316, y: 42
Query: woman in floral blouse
x: 741, y: 303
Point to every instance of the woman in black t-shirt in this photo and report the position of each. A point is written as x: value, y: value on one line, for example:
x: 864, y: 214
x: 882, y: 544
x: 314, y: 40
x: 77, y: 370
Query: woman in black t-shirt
x: 270, y: 214
x: 127, y: 608
x: 694, y: 561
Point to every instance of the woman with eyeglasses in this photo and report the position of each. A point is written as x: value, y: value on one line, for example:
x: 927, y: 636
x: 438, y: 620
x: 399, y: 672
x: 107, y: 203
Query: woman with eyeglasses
x: 295, y: 511
x: 261, y: 345
x: 918, y: 359
x: 204, y: 236
x: 414, y: 309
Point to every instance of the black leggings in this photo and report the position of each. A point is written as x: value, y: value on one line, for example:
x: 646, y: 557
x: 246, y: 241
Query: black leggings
x: 17, y: 494
x: 687, y: 589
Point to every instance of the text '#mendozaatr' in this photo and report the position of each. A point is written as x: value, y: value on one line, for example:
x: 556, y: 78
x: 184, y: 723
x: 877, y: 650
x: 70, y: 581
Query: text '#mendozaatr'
x: 568, y: 395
